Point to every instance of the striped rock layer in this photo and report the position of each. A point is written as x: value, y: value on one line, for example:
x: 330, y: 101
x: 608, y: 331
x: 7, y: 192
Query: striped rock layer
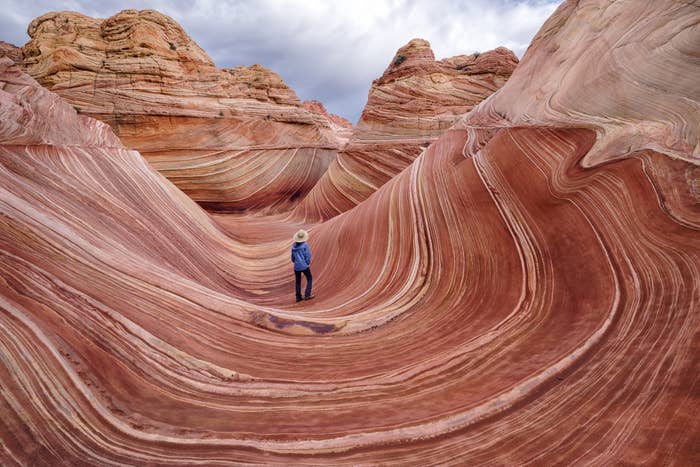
x: 233, y: 139
x: 14, y: 53
x: 408, y: 107
x: 524, y: 292
x: 342, y: 127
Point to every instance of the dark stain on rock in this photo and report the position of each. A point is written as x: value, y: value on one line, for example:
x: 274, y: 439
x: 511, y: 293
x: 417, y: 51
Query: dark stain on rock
x: 318, y: 328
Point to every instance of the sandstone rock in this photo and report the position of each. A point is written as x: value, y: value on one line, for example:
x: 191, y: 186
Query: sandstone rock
x: 408, y: 107
x: 420, y: 97
x: 635, y: 95
x: 32, y: 116
x: 211, y: 131
x: 342, y: 127
x: 496, y: 303
x: 14, y: 53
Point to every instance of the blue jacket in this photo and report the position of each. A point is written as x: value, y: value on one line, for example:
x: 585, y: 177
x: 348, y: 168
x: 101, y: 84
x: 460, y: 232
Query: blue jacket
x: 301, y: 256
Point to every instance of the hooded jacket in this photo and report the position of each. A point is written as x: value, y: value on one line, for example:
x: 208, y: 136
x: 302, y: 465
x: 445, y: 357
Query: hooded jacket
x: 301, y: 256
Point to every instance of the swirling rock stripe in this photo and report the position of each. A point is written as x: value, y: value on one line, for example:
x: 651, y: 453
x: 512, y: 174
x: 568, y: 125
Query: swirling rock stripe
x: 499, y: 301
x: 112, y: 370
x: 353, y: 176
x: 408, y: 107
x: 623, y: 69
x: 258, y: 179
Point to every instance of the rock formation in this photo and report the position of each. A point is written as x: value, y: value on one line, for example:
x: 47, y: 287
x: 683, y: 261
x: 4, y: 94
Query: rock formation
x: 14, y: 53
x: 610, y: 85
x: 239, y: 139
x: 408, y: 107
x: 341, y: 126
x: 210, y: 131
x: 524, y: 292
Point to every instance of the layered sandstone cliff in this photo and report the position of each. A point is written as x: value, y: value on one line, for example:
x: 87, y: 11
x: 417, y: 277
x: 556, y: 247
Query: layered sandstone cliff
x: 408, y: 107
x: 523, y: 293
x: 232, y: 139
x: 418, y: 97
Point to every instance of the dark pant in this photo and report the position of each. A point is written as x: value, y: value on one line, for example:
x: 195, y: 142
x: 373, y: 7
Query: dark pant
x: 297, y: 276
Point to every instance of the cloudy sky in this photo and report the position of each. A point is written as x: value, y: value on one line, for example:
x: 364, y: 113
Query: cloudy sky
x: 324, y: 49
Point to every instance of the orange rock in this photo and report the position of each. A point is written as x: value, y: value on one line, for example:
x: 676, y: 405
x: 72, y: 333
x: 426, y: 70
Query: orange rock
x: 408, y: 107
x: 14, y: 53
x: 233, y: 139
x: 635, y: 94
x: 421, y: 97
x: 502, y: 301
x: 343, y: 127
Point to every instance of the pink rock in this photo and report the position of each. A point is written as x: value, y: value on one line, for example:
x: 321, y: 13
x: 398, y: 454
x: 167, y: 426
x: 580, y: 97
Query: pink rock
x: 233, y: 139
x: 408, y: 107
x: 503, y: 300
x: 14, y: 53
x: 342, y: 127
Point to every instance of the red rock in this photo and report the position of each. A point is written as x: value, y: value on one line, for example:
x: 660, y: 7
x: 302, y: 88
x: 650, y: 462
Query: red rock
x: 211, y: 131
x: 408, y: 107
x: 591, y: 76
x: 14, y: 53
x: 343, y: 127
x: 504, y: 300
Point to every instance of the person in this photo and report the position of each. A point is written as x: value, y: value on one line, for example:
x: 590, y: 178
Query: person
x: 301, y: 257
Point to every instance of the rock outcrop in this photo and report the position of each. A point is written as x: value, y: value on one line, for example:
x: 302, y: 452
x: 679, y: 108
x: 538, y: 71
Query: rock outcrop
x: 418, y: 97
x: 10, y: 51
x: 524, y: 292
x: 211, y: 131
x: 408, y: 107
x: 342, y: 126
x: 592, y: 76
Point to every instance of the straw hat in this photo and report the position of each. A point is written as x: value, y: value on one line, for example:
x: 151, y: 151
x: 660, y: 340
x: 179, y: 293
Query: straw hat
x: 301, y: 236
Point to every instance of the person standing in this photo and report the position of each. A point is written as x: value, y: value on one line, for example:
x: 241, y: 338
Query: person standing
x: 301, y: 257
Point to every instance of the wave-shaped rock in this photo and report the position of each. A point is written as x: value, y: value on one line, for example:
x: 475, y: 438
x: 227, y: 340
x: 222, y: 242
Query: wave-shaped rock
x: 408, y: 107
x: 211, y: 131
x: 505, y: 299
x: 633, y: 84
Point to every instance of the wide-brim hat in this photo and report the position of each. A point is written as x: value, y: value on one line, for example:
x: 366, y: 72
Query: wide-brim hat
x: 301, y: 236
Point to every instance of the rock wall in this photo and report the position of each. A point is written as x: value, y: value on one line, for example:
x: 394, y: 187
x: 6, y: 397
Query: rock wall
x: 342, y: 127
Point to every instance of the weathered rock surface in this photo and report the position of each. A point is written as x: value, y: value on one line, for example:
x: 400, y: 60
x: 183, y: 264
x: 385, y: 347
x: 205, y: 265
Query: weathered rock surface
x: 10, y: 51
x: 419, y: 97
x: 506, y: 299
x: 593, y: 76
x: 408, y: 107
x: 232, y: 139
x: 342, y: 126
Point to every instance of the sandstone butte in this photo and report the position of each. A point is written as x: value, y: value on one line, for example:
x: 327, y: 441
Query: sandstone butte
x: 408, y: 107
x: 232, y: 139
x: 524, y: 292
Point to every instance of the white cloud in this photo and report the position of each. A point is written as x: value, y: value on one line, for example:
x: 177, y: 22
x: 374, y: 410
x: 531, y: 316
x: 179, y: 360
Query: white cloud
x: 325, y: 50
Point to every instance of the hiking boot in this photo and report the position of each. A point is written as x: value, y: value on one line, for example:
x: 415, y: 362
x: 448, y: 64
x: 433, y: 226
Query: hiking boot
x: 299, y: 299
x: 309, y: 297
